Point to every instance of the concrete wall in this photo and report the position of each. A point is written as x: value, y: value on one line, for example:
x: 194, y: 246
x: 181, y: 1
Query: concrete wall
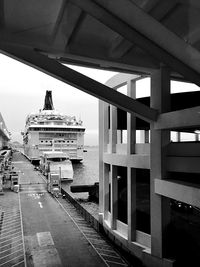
x: 159, y: 155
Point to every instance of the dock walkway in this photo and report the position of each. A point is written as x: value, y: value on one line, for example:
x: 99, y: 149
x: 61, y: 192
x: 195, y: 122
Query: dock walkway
x: 50, y: 230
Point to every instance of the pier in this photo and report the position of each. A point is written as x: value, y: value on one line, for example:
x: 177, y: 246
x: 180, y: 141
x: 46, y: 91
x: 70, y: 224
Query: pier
x: 37, y: 229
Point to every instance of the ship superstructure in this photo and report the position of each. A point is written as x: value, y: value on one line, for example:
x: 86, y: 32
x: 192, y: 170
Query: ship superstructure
x: 4, y: 134
x: 50, y: 130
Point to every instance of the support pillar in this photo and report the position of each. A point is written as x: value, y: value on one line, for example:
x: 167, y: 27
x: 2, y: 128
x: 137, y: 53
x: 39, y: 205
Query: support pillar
x: 114, y: 193
x: 131, y: 188
x: 119, y: 136
x: 114, y: 190
x: 131, y: 173
x: 106, y: 191
x: 144, y: 136
x: 113, y: 128
x: 101, y: 174
x: 196, y: 137
x: 178, y: 136
x: 103, y: 142
x: 160, y: 208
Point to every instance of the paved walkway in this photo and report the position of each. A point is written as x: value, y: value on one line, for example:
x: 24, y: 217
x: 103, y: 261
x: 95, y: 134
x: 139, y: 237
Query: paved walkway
x: 11, y: 235
x: 53, y: 232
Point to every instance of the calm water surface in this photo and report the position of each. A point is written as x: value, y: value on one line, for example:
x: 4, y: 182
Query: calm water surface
x: 86, y: 172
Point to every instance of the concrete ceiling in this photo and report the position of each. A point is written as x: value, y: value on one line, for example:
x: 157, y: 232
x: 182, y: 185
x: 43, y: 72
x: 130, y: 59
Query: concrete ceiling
x: 107, y: 33
x: 134, y: 36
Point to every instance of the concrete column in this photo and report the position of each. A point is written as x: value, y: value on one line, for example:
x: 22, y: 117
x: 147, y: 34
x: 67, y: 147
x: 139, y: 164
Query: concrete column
x: 131, y: 192
x: 114, y: 191
x: 131, y: 120
x: 178, y: 136
x: 114, y: 196
x: 160, y: 208
x: 113, y: 128
x: 196, y: 137
x: 119, y: 136
x: 131, y: 173
x: 144, y: 136
x: 103, y: 141
x: 101, y: 174
x: 106, y: 190
x: 104, y: 121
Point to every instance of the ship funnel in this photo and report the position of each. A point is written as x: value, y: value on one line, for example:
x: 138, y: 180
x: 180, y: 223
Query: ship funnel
x: 48, y: 102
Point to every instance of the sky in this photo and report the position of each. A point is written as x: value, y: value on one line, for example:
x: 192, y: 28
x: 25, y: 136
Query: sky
x: 23, y: 88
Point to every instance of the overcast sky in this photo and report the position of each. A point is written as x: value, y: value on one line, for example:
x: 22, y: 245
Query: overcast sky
x: 22, y: 91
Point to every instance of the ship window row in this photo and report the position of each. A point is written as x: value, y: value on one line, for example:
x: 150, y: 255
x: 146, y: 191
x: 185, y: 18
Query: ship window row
x: 59, y: 141
x: 46, y: 145
x: 51, y: 136
x: 56, y: 129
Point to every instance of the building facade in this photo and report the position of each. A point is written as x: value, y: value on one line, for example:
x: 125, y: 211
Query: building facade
x: 149, y: 174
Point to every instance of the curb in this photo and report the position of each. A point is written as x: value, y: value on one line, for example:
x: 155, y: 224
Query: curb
x: 86, y: 215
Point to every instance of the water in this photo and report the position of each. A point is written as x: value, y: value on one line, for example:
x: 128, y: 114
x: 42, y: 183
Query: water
x: 86, y: 172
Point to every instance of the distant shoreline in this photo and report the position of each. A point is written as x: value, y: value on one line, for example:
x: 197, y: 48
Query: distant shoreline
x: 91, y: 146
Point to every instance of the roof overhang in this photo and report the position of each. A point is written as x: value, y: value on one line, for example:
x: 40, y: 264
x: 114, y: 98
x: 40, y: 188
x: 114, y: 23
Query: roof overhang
x: 122, y: 35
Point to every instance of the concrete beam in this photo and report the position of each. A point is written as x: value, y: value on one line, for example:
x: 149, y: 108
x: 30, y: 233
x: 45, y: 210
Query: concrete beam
x: 119, y: 47
x: 184, y: 118
x: 131, y: 22
x: 120, y: 80
x: 181, y: 192
x: 78, y: 80
x: 142, y: 65
x: 162, y: 8
x: 132, y: 161
x: 66, y: 25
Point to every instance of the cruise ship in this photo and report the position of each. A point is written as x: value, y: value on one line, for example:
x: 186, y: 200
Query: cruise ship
x: 49, y: 130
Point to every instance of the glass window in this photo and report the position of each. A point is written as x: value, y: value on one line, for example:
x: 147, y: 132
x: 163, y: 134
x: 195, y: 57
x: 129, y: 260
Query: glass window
x: 122, y: 193
x: 143, y: 200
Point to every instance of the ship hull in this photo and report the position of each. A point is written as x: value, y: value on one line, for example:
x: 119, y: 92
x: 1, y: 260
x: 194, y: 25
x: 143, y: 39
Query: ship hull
x: 34, y: 154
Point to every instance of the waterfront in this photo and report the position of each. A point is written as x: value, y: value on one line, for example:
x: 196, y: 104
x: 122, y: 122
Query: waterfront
x: 85, y: 172
x: 40, y: 230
